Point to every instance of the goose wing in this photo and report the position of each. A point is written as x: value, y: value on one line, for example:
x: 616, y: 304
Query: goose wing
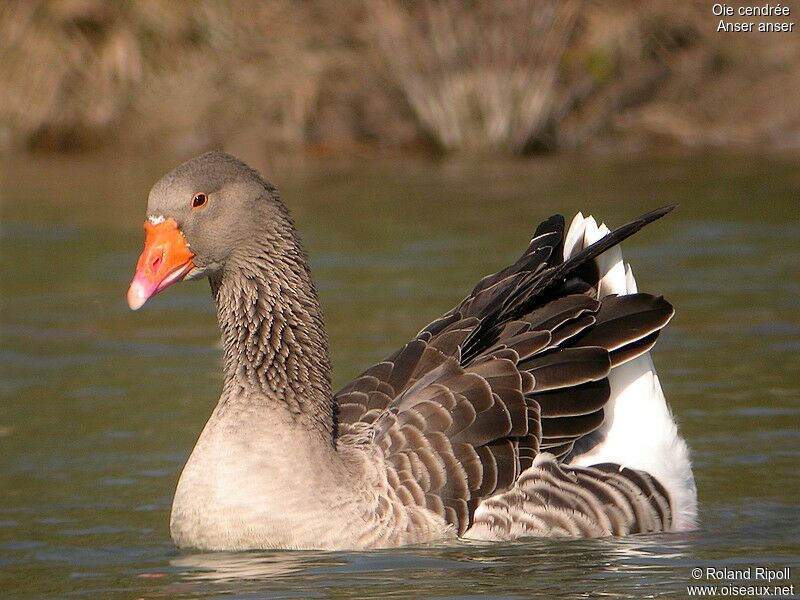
x: 517, y: 370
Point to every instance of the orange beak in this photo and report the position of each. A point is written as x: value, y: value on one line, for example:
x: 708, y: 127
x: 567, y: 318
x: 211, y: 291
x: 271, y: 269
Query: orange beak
x: 166, y: 259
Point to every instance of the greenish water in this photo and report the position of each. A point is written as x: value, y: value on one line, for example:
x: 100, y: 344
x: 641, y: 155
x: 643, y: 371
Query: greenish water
x: 100, y: 407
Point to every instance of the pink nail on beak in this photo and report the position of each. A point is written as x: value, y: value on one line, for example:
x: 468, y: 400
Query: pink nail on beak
x: 166, y: 259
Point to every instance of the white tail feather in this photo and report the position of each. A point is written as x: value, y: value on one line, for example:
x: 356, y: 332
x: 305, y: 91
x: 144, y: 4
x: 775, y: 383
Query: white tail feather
x: 639, y: 430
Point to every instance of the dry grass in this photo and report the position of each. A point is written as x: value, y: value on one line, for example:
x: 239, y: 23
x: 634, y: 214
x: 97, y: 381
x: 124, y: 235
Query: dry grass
x: 72, y: 69
x: 197, y: 71
x: 477, y: 79
x: 505, y: 76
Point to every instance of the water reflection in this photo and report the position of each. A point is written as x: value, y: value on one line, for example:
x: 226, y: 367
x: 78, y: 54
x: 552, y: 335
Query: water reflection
x: 608, y: 567
x: 230, y: 566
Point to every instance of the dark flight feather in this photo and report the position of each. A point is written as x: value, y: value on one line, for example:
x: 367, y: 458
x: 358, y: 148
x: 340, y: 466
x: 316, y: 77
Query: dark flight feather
x: 518, y: 367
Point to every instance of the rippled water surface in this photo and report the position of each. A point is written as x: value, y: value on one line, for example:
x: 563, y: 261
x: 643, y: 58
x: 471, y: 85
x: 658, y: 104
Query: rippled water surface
x: 100, y: 407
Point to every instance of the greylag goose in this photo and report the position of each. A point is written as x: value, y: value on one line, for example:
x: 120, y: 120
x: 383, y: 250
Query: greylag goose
x: 532, y: 408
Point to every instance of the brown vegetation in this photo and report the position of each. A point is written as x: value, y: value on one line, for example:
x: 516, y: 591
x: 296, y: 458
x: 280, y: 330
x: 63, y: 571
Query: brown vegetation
x: 478, y: 79
x: 459, y: 75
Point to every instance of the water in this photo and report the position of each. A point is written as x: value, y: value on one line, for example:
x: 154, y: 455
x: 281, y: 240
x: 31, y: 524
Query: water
x: 99, y: 406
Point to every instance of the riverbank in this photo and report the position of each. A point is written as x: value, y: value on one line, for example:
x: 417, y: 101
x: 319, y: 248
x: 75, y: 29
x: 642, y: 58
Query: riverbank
x: 359, y: 78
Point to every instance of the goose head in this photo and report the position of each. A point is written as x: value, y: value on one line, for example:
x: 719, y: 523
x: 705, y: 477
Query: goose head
x: 198, y: 217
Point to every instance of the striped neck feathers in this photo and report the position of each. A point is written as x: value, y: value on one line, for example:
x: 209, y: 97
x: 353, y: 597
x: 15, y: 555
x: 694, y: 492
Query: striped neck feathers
x: 273, y: 333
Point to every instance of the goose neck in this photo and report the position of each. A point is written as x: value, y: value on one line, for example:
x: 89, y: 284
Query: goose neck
x: 273, y: 335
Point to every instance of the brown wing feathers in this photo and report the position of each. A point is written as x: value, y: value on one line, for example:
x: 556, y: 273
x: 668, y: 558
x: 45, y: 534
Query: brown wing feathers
x: 518, y: 367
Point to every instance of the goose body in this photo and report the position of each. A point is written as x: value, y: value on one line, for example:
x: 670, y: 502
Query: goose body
x: 532, y: 408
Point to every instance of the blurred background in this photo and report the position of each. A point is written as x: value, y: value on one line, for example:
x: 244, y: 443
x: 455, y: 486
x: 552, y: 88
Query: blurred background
x: 418, y: 145
x: 357, y: 77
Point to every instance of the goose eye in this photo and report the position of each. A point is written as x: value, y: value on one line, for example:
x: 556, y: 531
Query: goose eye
x: 199, y: 200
